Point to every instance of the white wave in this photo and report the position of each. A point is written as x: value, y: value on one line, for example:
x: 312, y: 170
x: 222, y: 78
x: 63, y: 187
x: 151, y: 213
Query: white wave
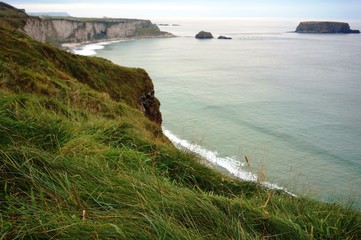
x: 87, y: 50
x: 90, y: 49
x: 233, y: 166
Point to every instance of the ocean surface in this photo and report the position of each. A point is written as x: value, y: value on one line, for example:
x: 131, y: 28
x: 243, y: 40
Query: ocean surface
x: 290, y: 103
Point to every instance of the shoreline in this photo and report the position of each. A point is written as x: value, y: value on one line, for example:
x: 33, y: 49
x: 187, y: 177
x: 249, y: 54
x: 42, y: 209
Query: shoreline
x: 76, y: 48
x: 221, y: 164
x: 70, y: 46
x: 225, y: 165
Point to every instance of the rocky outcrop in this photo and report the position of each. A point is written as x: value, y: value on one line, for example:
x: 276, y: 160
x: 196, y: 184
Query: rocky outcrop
x: 324, y: 27
x: 204, y: 35
x: 224, y: 37
x: 150, y: 106
x: 74, y: 30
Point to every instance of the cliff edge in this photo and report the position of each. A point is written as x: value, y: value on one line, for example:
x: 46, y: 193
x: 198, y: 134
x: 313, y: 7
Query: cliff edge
x: 77, y: 30
x: 59, y: 30
x: 48, y: 71
x: 324, y: 27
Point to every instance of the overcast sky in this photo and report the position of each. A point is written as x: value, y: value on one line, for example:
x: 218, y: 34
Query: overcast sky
x: 306, y: 9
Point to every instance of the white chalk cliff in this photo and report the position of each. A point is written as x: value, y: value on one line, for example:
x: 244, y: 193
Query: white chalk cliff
x: 75, y: 30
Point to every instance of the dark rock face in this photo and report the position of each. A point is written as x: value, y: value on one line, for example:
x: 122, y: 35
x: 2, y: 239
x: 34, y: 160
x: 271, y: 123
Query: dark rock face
x: 224, y: 37
x: 150, y: 106
x: 325, y: 27
x: 204, y: 35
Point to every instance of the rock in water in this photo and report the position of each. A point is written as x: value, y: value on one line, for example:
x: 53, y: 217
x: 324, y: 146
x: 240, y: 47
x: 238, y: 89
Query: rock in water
x: 324, y: 27
x: 204, y: 35
x: 224, y: 37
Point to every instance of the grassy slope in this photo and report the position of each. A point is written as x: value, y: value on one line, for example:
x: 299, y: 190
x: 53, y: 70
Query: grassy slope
x: 71, y: 139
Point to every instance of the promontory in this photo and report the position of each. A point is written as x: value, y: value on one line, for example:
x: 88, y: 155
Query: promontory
x: 324, y: 27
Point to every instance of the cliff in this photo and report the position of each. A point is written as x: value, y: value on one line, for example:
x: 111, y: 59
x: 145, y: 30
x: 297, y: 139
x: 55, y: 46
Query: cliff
x: 79, y: 159
x: 76, y: 30
x: 126, y: 85
x: 324, y: 27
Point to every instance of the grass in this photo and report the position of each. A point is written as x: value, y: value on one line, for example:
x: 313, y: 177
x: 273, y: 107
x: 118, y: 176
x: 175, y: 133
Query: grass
x: 79, y: 160
x: 83, y: 19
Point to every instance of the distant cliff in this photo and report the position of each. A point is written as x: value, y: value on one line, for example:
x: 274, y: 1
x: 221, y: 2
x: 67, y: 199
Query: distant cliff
x: 324, y: 27
x: 75, y: 30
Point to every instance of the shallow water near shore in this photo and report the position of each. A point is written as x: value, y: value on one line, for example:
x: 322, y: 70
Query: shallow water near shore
x: 288, y: 102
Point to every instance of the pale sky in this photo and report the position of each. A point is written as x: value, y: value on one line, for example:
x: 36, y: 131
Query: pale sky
x: 306, y: 9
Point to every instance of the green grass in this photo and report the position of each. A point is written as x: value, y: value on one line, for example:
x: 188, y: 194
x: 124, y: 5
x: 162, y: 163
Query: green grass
x: 83, y: 19
x: 73, y: 141
x: 146, y: 32
x: 11, y: 16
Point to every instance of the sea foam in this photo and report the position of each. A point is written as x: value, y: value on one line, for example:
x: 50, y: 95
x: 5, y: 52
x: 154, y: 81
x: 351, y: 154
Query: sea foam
x: 231, y: 165
x: 90, y: 49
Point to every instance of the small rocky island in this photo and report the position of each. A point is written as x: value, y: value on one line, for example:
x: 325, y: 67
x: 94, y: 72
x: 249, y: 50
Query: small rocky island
x: 204, y: 35
x: 224, y: 37
x: 324, y: 27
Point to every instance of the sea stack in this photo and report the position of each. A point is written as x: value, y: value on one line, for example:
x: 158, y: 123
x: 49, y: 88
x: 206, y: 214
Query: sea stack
x: 324, y: 27
x: 204, y: 35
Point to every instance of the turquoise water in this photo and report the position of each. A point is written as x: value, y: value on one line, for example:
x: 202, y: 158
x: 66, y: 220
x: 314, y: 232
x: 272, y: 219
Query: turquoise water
x: 289, y: 102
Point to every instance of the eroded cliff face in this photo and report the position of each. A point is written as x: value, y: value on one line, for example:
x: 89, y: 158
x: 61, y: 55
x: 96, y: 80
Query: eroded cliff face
x: 324, y: 27
x: 72, y: 30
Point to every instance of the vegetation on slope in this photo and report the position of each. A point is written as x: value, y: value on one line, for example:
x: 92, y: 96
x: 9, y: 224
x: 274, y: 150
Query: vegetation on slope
x: 78, y: 159
x: 12, y: 16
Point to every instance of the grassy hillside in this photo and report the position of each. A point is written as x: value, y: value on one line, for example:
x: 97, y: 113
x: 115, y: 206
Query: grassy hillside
x: 80, y: 160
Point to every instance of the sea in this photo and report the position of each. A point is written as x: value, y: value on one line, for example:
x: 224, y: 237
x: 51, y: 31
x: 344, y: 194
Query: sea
x: 270, y: 105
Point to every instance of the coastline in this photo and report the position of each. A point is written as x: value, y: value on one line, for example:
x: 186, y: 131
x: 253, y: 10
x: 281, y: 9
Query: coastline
x: 226, y: 165
x: 70, y: 46
x: 86, y: 49
x: 83, y: 152
x: 286, y: 156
